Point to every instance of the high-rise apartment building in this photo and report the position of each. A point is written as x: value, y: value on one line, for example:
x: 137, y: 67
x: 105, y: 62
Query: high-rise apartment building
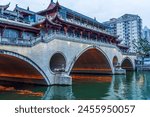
x: 128, y: 28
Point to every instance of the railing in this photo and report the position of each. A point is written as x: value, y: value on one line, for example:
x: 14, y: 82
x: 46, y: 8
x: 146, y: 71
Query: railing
x: 57, y: 35
x: 129, y: 53
x: 19, y: 41
x: 48, y: 37
x: 70, y: 37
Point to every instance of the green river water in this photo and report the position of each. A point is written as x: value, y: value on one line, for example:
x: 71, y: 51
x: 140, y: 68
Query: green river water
x: 132, y: 86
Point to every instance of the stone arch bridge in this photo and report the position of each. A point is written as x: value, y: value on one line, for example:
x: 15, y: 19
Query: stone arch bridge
x: 51, y: 60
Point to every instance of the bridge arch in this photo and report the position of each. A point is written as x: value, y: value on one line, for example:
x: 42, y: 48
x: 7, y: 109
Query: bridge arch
x: 16, y: 67
x: 91, y: 60
x: 58, y: 61
x: 127, y: 64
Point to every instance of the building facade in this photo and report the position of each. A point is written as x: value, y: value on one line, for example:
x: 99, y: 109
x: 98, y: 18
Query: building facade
x: 128, y: 29
x: 111, y: 26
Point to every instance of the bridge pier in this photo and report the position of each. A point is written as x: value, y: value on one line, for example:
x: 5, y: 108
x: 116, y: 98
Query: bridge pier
x: 118, y: 70
x: 61, y: 78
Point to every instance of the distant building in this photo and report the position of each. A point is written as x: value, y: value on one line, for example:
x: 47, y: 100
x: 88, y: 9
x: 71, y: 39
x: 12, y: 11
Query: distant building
x: 128, y: 27
x: 111, y: 26
x: 146, y: 33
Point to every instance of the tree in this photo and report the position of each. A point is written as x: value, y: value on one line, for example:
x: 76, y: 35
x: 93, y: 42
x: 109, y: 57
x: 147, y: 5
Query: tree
x: 142, y: 47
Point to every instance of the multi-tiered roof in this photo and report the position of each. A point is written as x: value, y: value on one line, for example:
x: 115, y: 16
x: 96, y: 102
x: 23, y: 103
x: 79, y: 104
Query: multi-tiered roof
x: 56, y: 18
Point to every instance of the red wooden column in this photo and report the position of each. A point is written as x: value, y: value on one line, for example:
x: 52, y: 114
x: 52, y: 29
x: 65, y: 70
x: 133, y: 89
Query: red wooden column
x: 46, y: 27
x: 89, y: 35
x: 21, y: 34
x: 2, y: 31
x: 74, y: 32
x: 81, y: 32
x: 96, y: 37
x: 110, y: 40
x: 65, y: 29
x: 102, y: 38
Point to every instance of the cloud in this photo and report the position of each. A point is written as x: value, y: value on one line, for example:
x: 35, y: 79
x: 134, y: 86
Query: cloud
x: 101, y: 9
x: 106, y: 9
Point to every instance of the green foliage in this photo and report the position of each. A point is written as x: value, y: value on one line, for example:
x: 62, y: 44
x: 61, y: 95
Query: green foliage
x: 142, y: 46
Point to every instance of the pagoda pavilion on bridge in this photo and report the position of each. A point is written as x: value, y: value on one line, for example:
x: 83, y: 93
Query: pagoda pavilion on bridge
x: 24, y: 24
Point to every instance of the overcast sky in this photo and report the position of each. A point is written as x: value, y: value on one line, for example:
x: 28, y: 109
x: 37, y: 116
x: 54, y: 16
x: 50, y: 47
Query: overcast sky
x: 103, y: 10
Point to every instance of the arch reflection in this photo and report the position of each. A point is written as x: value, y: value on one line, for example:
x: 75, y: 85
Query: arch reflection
x: 133, y: 86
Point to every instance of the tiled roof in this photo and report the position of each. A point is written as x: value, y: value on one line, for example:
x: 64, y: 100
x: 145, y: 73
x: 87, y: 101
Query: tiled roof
x: 4, y: 6
x: 46, y: 20
x: 24, y: 10
x: 82, y: 16
x: 53, y: 5
x: 17, y: 24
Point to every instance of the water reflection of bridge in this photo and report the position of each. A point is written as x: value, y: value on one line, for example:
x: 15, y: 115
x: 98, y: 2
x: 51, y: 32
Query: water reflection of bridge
x: 133, y: 86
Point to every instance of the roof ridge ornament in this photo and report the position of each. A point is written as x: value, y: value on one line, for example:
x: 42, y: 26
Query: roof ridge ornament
x: 57, y: 2
x: 52, y: 1
x: 5, y: 6
x: 8, y: 3
x: 28, y: 8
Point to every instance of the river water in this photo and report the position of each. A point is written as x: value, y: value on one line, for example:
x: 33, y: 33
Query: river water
x: 133, y: 86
